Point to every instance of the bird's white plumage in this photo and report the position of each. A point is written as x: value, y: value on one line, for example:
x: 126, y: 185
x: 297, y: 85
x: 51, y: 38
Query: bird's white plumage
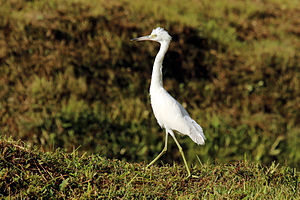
x: 171, y: 115
x: 168, y: 112
x: 157, y: 30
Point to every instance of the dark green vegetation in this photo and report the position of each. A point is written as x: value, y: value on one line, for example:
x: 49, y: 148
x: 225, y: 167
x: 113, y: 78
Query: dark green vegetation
x: 25, y: 172
x: 69, y: 77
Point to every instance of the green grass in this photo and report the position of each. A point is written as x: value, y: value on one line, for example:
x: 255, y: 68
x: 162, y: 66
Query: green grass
x: 29, y: 173
x: 70, y: 76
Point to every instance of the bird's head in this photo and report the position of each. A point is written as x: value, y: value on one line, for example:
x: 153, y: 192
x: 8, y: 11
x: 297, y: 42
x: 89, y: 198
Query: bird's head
x: 158, y: 34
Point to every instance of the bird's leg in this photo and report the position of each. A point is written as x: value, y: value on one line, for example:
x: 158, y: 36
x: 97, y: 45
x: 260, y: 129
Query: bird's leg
x: 182, y: 154
x: 162, y: 152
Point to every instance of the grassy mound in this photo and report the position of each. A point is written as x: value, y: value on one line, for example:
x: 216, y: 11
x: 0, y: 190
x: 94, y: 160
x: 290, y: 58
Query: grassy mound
x: 69, y: 76
x: 28, y: 173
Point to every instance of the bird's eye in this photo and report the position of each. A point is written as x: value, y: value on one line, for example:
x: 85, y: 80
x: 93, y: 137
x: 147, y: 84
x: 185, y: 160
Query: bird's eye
x: 154, y: 36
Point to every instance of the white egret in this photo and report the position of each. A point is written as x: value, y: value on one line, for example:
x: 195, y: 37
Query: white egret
x: 169, y: 114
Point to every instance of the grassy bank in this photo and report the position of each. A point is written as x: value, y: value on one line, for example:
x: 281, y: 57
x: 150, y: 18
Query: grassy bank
x: 29, y: 173
x: 69, y: 76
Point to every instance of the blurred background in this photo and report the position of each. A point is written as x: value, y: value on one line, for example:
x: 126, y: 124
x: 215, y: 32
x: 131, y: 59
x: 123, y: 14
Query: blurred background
x: 70, y: 77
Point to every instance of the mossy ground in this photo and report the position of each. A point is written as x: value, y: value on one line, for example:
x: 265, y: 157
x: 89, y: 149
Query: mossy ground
x: 29, y: 173
x: 69, y: 76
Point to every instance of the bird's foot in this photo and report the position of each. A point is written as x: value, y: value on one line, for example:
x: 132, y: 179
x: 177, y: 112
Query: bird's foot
x: 191, y: 176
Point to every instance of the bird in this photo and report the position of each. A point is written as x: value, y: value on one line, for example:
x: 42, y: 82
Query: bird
x: 169, y: 113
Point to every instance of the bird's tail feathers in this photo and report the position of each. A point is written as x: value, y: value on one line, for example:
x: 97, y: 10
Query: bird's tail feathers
x: 196, y: 132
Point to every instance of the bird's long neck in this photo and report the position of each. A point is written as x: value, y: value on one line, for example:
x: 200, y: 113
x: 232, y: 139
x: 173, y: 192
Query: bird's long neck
x: 156, y: 79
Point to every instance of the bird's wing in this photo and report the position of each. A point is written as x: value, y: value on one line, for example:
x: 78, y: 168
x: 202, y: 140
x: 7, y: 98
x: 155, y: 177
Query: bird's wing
x: 167, y: 110
x: 196, y: 132
x: 171, y: 115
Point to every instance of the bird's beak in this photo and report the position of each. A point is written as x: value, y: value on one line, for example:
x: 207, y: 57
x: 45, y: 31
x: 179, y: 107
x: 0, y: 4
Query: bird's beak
x: 142, y: 38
